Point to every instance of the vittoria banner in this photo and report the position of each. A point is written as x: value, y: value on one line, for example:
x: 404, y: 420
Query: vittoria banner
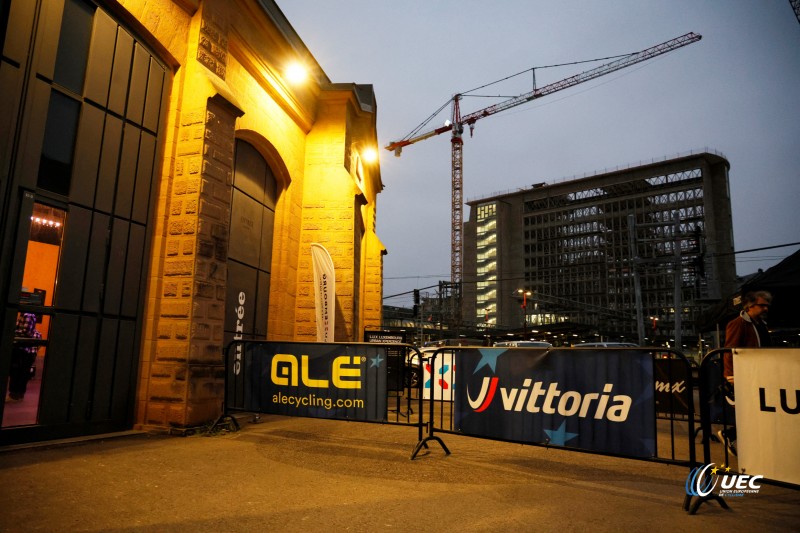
x: 316, y: 380
x: 324, y: 292
x: 767, y: 383
x: 595, y: 400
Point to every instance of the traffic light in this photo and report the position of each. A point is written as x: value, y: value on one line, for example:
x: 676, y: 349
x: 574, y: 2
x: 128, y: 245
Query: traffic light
x: 416, y: 311
x: 416, y: 296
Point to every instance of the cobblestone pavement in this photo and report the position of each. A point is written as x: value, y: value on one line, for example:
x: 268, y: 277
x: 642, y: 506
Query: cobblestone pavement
x: 302, y: 474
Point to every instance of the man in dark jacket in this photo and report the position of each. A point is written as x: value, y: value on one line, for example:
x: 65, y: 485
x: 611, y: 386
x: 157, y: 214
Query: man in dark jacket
x: 748, y: 330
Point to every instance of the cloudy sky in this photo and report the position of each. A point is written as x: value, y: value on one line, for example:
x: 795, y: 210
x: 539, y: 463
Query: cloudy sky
x: 736, y: 92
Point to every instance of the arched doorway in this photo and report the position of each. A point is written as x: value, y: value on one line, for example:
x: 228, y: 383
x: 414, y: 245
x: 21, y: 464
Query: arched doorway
x: 255, y: 193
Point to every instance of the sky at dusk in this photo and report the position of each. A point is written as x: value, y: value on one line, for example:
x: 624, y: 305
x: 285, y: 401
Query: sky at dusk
x: 735, y: 92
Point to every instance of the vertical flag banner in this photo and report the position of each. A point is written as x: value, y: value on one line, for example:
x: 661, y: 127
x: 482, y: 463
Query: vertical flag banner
x: 324, y: 292
x: 767, y: 383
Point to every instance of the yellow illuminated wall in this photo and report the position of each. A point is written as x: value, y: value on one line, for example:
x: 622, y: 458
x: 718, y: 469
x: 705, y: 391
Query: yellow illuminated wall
x: 228, y: 82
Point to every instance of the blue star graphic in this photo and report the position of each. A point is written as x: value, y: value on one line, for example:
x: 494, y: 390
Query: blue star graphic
x: 376, y: 361
x: 488, y: 358
x: 560, y: 436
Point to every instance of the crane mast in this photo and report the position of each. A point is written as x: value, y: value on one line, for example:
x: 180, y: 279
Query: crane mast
x: 456, y: 127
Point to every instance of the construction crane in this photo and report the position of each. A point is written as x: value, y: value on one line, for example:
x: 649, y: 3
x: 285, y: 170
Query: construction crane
x: 457, y: 123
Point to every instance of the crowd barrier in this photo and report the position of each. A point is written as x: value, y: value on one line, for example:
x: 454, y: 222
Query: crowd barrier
x: 636, y: 403
x: 628, y: 402
x: 368, y: 382
x: 750, y: 432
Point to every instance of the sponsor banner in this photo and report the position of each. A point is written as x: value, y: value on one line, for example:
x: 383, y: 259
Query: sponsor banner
x: 673, y: 386
x: 395, y: 355
x: 324, y: 292
x: 439, y: 374
x: 595, y: 400
x: 316, y: 380
x: 767, y: 383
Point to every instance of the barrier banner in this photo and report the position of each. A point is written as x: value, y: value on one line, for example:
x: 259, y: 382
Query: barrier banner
x: 395, y: 355
x: 673, y: 386
x: 767, y: 388
x: 595, y: 400
x: 324, y: 292
x: 438, y: 375
x: 316, y: 380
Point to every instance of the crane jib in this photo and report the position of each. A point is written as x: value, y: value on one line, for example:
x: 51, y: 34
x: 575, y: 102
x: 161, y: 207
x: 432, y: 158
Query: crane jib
x: 588, y: 75
x: 602, y: 70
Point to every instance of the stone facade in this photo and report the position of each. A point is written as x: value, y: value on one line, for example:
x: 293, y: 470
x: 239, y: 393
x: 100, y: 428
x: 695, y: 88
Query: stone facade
x: 156, y: 97
x: 228, y: 84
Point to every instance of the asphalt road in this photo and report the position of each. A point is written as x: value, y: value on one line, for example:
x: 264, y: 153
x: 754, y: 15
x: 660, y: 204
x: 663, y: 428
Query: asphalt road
x: 301, y: 474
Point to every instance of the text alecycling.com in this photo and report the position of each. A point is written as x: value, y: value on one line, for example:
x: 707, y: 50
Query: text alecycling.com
x: 312, y: 400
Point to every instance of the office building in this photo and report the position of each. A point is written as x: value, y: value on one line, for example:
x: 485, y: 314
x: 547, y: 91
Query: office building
x: 612, y: 256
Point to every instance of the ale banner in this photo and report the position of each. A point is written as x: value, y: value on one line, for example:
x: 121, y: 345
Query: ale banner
x: 342, y: 381
x: 595, y: 400
x: 324, y: 292
x: 767, y: 388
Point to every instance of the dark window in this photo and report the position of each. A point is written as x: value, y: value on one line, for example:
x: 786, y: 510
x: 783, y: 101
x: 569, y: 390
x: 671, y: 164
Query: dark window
x: 55, y: 166
x: 73, y: 45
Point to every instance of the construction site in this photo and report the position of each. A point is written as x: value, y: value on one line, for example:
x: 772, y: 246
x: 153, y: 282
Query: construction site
x: 634, y: 254
x: 608, y: 257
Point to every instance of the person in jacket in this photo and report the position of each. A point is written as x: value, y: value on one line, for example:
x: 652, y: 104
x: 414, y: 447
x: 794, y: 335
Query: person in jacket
x: 748, y: 330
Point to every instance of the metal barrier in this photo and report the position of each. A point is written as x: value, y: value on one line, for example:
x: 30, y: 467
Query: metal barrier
x: 627, y: 402
x: 718, y: 427
x: 636, y: 403
x: 368, y: 382
x: 716, y: 408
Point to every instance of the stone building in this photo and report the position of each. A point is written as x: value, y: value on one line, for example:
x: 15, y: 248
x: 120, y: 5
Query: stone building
x: 162, y: 179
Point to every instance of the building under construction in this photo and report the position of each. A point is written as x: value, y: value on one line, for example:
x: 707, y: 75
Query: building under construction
x: 606, y: 257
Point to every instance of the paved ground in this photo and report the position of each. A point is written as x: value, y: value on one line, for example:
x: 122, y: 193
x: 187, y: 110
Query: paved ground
x: 297, y: 474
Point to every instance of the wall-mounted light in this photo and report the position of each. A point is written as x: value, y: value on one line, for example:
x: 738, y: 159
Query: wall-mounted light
x: 369, y: 155
x: 296, y: 73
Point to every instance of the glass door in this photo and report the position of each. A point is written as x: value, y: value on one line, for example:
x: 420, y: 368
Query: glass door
x: 27, y: 369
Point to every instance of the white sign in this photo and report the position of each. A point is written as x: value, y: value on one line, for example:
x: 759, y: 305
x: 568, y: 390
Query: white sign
x: 767, y: 384
x: 324, y: 292
x: 439, y: 377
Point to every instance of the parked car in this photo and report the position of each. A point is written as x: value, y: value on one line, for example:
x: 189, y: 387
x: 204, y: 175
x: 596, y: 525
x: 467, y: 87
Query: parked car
x: 606, y: 345
x: 523, y: 344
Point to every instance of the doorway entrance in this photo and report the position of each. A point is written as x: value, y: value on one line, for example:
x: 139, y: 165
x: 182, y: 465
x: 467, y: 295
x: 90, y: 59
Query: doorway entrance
x: 77, y: 224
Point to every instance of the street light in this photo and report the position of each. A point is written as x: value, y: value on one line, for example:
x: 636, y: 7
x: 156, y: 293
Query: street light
x: 525, y: 293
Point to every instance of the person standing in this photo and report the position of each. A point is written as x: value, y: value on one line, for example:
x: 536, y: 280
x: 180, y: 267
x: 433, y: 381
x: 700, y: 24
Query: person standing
x: 22, y: 358
x: 748, y: 330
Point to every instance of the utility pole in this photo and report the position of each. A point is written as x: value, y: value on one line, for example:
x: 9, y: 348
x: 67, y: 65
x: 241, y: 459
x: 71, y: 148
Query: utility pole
x: 677, y: 273
x: 637, y: 282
